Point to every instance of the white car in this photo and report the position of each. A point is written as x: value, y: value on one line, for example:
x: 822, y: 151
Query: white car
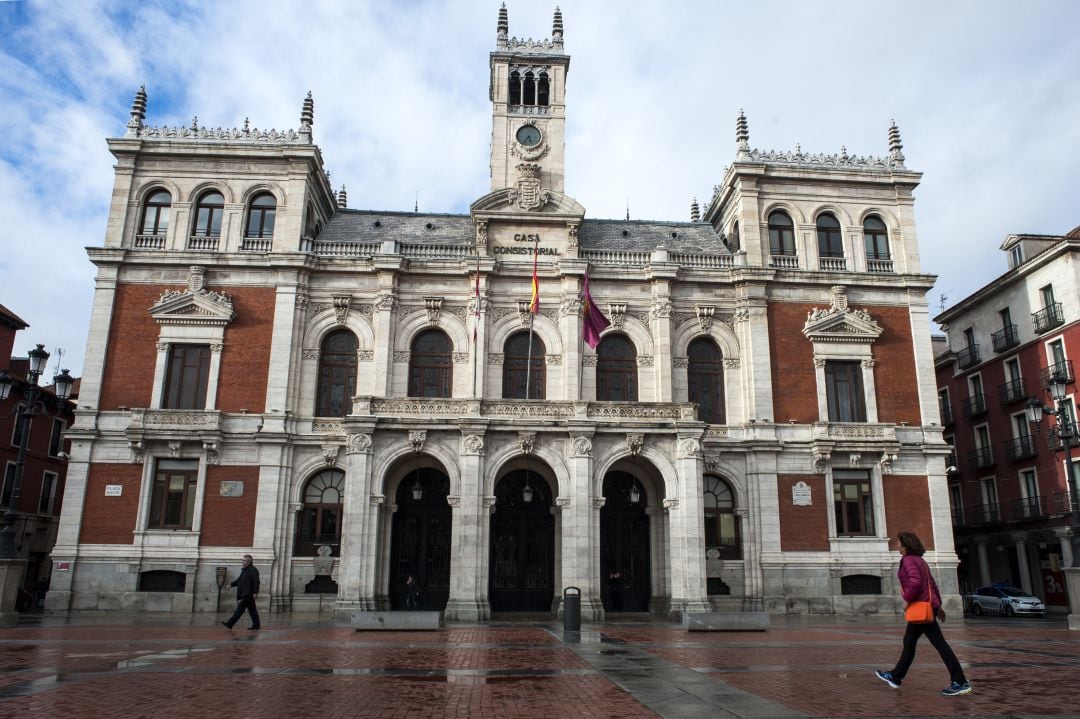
x: 1010, y: 601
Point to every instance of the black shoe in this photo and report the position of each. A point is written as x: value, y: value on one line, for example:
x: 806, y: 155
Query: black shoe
x: 226, y: 625
x: 254, y: 629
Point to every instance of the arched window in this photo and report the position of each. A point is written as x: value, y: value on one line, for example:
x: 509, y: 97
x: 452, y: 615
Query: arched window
x: 320, y: 520
x: 515, y: 88
x: 430, y: 368
x: 876, y: 237
x: 734, y: 240
x: 721, y: 525
x: 528, y: 89
x: 517, y: 364
x: 337, y: 374
x: 705, y: 380
x: 781, y: 234
x: 208, y: 213
x: 155, y: 218
x: 261, y: 216
x: 830, y: 243
x: 616, y: 370
x: 543, y: 90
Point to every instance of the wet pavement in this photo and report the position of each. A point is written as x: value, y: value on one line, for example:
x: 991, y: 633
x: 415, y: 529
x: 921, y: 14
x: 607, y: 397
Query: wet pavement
x: 113, y: 665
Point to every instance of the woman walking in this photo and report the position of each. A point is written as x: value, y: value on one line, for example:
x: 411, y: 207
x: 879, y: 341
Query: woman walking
x: 917, y: 585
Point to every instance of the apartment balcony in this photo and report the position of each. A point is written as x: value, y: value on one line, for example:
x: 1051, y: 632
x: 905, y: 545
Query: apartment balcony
x: 1005, y: 339
x: 981, y: 458
x: 1020, y: 448
x: 1047, y: 318
x: 986, y: 513
x: 1027, y: 508
x: 974, y: 405
x: 968, y: 356
x: 1062, y: 369
x: 1059, y: 503
x: 1013, y: 391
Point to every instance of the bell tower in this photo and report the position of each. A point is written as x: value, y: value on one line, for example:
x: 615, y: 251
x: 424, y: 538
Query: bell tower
x: 528, y: 107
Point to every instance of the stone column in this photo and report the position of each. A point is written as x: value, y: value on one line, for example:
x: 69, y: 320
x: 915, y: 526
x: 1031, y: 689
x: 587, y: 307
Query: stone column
x: 467, y: 581
x: 384, y: 325
x: 661, y: 331
x: 570, y: 328
x: 354, y: 523
x: 580, y: 527
x: 984, y: 562
x: 687, y: 533
x: 1022, y: 561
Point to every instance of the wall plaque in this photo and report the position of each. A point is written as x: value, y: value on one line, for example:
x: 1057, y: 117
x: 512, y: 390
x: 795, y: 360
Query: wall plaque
x: 232, y: 488
x: 800, y: 494
x: 114, y: 490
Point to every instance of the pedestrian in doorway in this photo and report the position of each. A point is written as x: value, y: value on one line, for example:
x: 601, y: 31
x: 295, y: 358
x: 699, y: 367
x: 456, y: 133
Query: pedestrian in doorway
x: 412, y: 593
x: 918, y: 585
x: 247, y: 586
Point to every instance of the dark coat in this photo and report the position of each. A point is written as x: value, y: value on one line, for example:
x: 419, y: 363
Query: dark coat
x: 247, y: 584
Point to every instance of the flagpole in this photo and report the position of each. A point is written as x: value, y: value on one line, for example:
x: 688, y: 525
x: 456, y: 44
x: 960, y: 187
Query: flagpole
x: 477, y: 360
x: 536, y: 291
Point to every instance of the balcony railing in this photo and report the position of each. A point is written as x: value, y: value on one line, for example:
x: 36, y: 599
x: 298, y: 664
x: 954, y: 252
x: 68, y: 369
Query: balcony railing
x: 981, y: 457
x: 974, y: 405
x: 150, y: 242
x: 879, y: 266
x: 946, y: 415
x: 785, y: 262
x: 204, y: 243
x: 1020, y: 448
x: 968, y: 356
x: 833, y: 264
x: 986, y: 513
x: 1006, y: 338
x: 1064, y: 369
x: 1013, y: 391
x: 1059, y: 503
x: 1047, y: 318
x: 1027, y: 508
x: 256, y: 244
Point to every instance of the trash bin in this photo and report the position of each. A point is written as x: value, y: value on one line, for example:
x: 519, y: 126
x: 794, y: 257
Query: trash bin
x: 571, y: 609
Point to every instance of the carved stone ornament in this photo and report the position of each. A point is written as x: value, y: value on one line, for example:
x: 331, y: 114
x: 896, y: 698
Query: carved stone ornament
x: 137, y: 452
x: 174, y: 449
x: 553, y: 360
x: 377, y: 499
x: 741, y: 315
x: 711, y: 462
x: 661, y: 309
x: 589, y: 360
x: 854, y: 459
x: 599, y: 502
x: 635, y: 443
x: 365, y: 355
x: 460, y: 357
x: 302, y: 299
x: 562, y: 502
x: 645, y: 361
x: 886, y: 462
x: 433, y: 306
x: 527, y: 441
x: 330, y: 454
x: 194, y: 305
x: 296, y: 507
x: 689, y: 447
x: 366, y: 310
x: 582, y: 446
x: 473, y: 443
x: 358, y: 443
x: 705, y: 317
x: 211, y: 450
x: 731, y: 363
x: 528, y: 194
x: 495, y: 358
x: 821, y: 459
x: 819, y: 361
x: 481, y: 235
x: 570, y: 306
x: 840, y: 323
x: 341, y: 308
x: 572, y: 236
x: 402, y: 355
x: 617, y: 315
x: 671, y: 503
x: 327, y: 426
x: 384, y: 302
x: 417, y: 437
x: 680, y: 362
x: 489, y: 502
x: 309, y: 354
x: 453, y: 500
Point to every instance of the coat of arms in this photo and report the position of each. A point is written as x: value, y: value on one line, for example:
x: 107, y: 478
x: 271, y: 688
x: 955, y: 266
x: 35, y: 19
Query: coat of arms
x: 528, y: 194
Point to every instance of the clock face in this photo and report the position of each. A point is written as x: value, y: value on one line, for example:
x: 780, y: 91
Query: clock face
x: 528, y: 135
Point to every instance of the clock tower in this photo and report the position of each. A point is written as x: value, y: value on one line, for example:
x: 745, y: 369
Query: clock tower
x: 528, y: 108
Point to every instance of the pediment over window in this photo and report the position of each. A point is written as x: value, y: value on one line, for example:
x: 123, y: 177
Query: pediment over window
x: 195, y: 305
x: 840, y: 323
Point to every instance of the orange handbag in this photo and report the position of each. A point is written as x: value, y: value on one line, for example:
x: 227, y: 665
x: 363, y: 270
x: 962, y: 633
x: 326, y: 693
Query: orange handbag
x: 920, y: 612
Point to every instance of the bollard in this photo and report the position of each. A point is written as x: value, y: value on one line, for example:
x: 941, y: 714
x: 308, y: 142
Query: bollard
x: 571, y: 612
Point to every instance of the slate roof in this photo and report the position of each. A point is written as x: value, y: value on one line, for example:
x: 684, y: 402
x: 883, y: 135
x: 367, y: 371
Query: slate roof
x: 413, y: 228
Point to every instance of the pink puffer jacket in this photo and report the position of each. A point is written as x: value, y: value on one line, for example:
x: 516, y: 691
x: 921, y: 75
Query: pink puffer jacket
x: 914, y: 574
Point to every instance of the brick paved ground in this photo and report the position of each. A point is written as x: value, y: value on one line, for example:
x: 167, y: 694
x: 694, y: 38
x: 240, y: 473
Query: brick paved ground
x: 126, y: 666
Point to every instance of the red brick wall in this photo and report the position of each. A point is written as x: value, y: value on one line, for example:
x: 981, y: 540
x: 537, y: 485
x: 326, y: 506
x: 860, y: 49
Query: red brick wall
x: 110, y: 520
x: 129, y: 364
x: 803, y: 529
x: 907, y: 508
x: 795, y: 380
x: 229, y: 521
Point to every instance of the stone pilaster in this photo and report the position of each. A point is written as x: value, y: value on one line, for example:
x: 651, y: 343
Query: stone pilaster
x: 384, y: 326
x: 467, y: 581
x: 354, y: 548
x: 580, y: 524
x: 687, y: 534
x: 661, y: 331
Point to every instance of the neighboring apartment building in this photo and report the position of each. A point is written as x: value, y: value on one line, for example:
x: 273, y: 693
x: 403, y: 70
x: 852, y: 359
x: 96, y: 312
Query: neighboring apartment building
x: 1007, y: 482
x: 45, y: 466
x: 355, y: 397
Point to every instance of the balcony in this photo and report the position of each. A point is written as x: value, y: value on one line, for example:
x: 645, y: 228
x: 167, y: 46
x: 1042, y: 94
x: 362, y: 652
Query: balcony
x: 832, y: 264
x: 879, y: 266
x: 256, y: 244
x: 968, y: 356
x: 1005, y: 339
x: 784, y: 262
x: 986, y: 513
x: 1059, y: 503
x: 1063, y: 369
x: 981, y: 458
x: 1013, y: 391
x: 974, y: 405
x: 149, y: 242
x: 1027, y: 508
x: 1047, y: 318
x: 203, y: 243
x: 1020, y: 448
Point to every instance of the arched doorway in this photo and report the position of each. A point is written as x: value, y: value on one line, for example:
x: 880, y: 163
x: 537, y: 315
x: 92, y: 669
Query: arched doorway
x: 522, y: 574
x: 624, y: 545
x: 420, y: 539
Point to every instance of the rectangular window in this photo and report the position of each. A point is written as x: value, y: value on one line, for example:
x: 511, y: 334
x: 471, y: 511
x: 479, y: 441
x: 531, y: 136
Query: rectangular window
x: 9, y: 485
x: 853, y: 503
x: 56, y: 439
x: 172, y: 498
x: 1056, y: 350
x: 48, y: 493
x: 186, y: 377
x: 969, y: 336
x: 844, y: 391
x: 1028, y: 484
x: 1047, y: 295
x: 1016, y: 256
x: 1012, y: 370
x: 20, y: 422
x: 944, y: 407
x: 989, y: 489
x: 1006, y: 318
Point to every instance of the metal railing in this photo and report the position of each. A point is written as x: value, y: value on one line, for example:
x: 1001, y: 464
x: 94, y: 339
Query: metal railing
x: 1059, y: 503
x: 974, y: 405
x: 981, y: 457
x: 1047, y: 318
x: 958, y: 516
x: 968, y: 356
x: 1063, y: 369
x: 986, y: 513
x: 1013, y: 391
x: 1005, y: 338
x: 1020, y: 448
x: 1027, y: 508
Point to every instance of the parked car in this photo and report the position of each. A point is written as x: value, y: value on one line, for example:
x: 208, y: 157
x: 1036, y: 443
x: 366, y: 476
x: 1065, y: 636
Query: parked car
x: 1002, y: 599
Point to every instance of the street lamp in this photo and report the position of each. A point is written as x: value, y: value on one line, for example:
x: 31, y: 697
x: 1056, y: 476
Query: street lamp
x: 30, y: 406
x: 1064, y: 430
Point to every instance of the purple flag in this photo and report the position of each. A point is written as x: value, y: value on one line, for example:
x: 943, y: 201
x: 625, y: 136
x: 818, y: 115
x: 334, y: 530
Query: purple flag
x: 593, y: 321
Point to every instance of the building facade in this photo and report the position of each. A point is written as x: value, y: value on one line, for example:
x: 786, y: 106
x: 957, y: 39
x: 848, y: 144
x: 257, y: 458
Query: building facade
x: 1007, y: 483
x: 356, y: 397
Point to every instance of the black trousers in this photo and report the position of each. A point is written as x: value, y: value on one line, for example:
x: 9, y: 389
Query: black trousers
x: 247, y: 603
x: 933, y: 633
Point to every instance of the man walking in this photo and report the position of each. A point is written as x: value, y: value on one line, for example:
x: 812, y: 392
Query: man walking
x: 247, y: 586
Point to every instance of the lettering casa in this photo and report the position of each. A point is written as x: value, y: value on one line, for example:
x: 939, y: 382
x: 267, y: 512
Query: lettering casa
x: 535, y: 249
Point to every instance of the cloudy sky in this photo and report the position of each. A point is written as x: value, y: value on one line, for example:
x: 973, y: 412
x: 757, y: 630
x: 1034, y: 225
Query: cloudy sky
x: 986, y: 94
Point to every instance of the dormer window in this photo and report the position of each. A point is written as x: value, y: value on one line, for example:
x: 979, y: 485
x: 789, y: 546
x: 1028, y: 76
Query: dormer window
x: 1016, y: 256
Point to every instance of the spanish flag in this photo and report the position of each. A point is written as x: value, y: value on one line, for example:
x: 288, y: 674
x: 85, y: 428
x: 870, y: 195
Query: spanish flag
x: 534, y: 302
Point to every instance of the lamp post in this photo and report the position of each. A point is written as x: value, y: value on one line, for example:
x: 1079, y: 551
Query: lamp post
x: 31, y: 405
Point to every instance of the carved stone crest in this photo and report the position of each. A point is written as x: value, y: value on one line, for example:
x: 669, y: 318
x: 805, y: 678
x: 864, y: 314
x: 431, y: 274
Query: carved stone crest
x: 527, y: 441
x: 582, y: 446
x: 358, y: 443
x: 417, y: 437
x: 473, y: 443
x: 528, y: 194
x: 635, y: 442
x: 689, y: 447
